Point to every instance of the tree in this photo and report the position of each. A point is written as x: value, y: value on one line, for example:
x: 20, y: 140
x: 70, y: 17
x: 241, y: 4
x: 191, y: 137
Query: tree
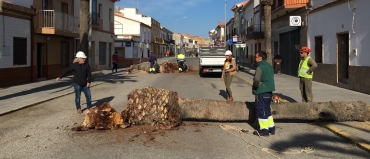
x: 267, y: 10
x: 84, y: 26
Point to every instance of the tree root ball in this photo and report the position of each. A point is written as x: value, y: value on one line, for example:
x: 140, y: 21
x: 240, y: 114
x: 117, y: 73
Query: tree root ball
x: 157, y: 107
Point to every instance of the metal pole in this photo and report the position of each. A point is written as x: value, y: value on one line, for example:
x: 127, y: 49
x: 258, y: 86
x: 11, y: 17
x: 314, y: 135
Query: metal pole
x: 225, y: 27
x: 175, y: 36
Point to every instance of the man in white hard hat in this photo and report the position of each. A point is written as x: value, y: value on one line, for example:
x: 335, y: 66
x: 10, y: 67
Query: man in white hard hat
x: 81, y: 79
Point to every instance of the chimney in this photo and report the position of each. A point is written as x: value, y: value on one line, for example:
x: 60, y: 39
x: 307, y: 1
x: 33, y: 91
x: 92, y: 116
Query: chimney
x: 117, y: 9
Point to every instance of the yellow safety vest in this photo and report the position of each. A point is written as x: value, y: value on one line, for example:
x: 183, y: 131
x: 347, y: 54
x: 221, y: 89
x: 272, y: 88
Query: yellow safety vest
x: 180, y: 57
x: 303, y: 68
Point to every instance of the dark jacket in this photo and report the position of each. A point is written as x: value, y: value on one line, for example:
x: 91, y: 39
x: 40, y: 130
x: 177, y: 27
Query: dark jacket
x: 263, y: 81
x: 81, y: 73
x: 152, y: 58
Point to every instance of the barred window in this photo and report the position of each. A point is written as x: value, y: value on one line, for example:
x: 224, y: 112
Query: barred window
x: 19, y: 51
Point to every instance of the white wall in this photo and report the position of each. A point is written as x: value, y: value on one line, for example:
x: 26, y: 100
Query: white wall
x: 126, y: 26
x: 14, y: 27
x: 97, y: 37
x: 23, y: 3
x: 107, y: 4
x: 133, y: 14
x: 328, y: 23
x: 318, y: 3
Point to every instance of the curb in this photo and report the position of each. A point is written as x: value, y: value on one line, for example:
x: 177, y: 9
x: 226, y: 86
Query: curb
x: 49, y: 99
x: 346, y: 135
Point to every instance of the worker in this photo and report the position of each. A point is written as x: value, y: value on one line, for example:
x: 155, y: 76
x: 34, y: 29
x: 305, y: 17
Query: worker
x: 228, y: 72
x: 152, y: 60
x: 305, y: 73
x: 263, y: 86
x: 180, y: 61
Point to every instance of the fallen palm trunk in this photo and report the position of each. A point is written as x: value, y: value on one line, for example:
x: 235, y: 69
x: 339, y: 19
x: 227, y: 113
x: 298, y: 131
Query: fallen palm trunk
x: 216, y: 110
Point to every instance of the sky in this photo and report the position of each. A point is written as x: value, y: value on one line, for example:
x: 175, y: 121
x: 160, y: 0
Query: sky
x: 202, y: 15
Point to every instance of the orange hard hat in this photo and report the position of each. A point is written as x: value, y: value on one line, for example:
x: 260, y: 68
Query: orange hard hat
x: 305, y: 49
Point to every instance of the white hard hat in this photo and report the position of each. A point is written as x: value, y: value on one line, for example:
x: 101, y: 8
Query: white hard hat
x: 228, y: 52
x: 81, y: 54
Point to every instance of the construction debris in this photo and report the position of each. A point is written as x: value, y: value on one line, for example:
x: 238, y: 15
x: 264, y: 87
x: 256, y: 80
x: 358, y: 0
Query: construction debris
x: 157, y: 107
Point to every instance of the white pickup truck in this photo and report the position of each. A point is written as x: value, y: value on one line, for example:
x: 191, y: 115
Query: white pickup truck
x: 211, y: 60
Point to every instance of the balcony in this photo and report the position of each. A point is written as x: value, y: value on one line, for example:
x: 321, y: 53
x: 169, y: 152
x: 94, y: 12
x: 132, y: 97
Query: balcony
x: 158, y: 40
x: 255, y: 31
x: 57, y: 23
x: 281, y: 7
x: 172, y: 42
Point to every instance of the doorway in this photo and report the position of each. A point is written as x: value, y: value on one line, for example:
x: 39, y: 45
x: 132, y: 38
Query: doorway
x: 342, y: 57
x: 41, y: 61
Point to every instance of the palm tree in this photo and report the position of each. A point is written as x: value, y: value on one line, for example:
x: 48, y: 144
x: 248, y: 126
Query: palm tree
x: 84, y: 26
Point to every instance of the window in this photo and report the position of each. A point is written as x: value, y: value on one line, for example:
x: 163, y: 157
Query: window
x: 46, y: 4
x: 94, y: 12
x: 100, y: 14
x: 19, y: 51
x: 110, y: 15
x: 318, y: 49
x: 64, y: 54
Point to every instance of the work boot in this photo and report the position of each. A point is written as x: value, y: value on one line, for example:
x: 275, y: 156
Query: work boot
x: 260, y: 133
x: 231, y: 99
x: 79, y: 111
x: 155, y: 72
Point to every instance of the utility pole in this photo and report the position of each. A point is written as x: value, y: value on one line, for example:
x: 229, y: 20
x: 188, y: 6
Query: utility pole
x: 225, y: 27
x: 267, y: 8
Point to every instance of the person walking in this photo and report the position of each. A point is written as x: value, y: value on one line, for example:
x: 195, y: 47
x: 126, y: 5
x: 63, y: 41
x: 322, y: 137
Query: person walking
x: 228, y: 72
x: 167, y: 53
x: 152, y: 60
x: 305, y: 73
x: 277, y: 60
x: 115, y: 61
x: 180, y: 61
x: 81, y: 79
x: 263, y: 86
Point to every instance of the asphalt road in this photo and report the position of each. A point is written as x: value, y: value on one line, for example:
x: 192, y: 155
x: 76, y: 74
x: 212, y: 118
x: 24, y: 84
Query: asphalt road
x: 44, y: 130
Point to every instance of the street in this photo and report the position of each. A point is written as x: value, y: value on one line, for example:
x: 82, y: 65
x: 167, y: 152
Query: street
x: 44, y: 130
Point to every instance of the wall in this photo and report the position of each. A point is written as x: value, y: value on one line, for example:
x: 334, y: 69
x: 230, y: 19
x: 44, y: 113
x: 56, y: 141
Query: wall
x: 14, y: 27
x: 125, y: 26
x: 107, y: 4
x: 342, y: 22
x: 132, y: 13
x: 23, y: 3
x: 98, y: 36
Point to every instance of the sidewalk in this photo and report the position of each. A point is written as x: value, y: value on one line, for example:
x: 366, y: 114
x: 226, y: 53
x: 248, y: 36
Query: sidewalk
x: 22, y: 96
x: 287, y: 87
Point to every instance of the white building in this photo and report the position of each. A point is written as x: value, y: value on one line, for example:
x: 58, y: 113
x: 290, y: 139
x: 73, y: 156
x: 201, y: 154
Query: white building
x: 15, y: 40
x: 339, y: 36
x: 132, y: 40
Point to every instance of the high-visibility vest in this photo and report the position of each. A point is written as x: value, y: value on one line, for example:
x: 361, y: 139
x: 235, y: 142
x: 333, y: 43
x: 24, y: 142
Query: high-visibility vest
x: 180, y: 57
x: 303, y: 68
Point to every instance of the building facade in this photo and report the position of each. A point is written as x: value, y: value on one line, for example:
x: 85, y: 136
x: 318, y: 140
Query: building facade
x: 341, y: 46
x: 16, y: 64
x: 284, y: 37
x: 132, y: 39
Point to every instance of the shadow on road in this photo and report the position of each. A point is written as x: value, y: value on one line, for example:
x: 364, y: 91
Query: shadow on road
x: 223, y: 93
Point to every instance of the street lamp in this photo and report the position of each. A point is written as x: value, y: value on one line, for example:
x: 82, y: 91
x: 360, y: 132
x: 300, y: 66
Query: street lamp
x: 225, y: 27
x: 175, y: 34
x: 267, y: 13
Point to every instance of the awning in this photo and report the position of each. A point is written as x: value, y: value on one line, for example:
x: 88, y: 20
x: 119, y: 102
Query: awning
x: 286, y: 29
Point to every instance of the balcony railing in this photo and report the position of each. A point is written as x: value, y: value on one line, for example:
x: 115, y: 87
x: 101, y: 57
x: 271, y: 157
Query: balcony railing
x: 255, y: 31
x: 95, y: 18
x: 58, y: 20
